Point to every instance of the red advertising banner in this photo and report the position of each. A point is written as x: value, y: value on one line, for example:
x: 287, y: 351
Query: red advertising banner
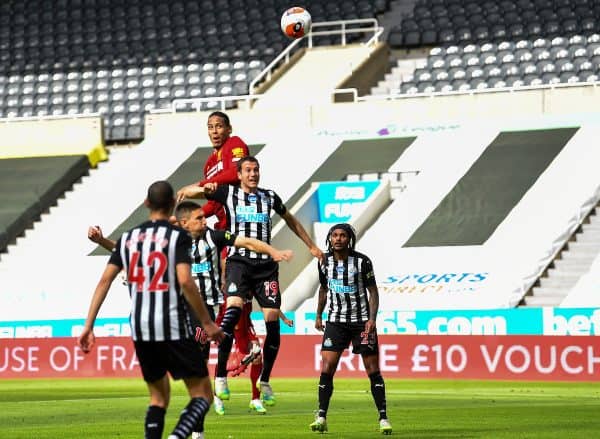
x: 559, y: 358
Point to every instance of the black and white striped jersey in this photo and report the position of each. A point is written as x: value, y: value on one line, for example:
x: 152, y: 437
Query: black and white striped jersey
x: 346, y: 282
x: 149, y: 254
x: 206, y: 263
x: 249, y: 215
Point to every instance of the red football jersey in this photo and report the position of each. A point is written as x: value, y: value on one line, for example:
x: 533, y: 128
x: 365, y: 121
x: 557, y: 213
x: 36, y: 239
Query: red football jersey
x: 221, y: 168
x: 221, y: 165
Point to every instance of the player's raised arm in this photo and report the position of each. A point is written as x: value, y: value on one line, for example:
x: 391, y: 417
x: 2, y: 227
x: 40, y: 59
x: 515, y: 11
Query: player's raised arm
x: 301, y: 233
x: 95, y: 235
x: 195, y: 191
x: 258, y: 246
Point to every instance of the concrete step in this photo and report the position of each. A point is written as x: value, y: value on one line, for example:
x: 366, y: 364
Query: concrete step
x: 589, y: 236
x: 583, y: 246
x: 533, y: 301
x: 592, y: 225
x: 585, y: 257
x: 558, y: 282
x: 553, y: 273
x: 581, y: 253
x: 549, y: 291
x: 573, y: 265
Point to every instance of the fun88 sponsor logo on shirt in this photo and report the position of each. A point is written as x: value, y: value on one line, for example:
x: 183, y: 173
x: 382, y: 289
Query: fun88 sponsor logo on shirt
x: 248, y: 214
x: 338, y: 287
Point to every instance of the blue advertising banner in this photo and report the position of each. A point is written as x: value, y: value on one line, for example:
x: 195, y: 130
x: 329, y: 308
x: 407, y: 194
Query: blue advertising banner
x: 339, y: 200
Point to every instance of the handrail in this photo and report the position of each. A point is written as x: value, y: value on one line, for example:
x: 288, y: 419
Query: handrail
x: 268, y: 70
x: 47, y: 117
x: 284, y: 55
x: 377, y: 30
x: 196, y: 103
x: 392, y: 96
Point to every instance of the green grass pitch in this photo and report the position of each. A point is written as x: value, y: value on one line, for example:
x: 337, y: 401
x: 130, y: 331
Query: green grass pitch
x: 114, y: 408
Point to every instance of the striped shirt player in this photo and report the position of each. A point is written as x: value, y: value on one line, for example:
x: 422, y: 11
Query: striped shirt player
x: 206, y: 269
x: 250, y: 273
x: 248, y: 209
x: 149, y: 253
x: 206, y: 264
x: 249, y: 215
x: 346, y: 282
x: 155, y: 255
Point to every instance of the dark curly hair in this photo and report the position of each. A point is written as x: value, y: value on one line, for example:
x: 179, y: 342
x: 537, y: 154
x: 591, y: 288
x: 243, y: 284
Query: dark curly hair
x: 346, y: 228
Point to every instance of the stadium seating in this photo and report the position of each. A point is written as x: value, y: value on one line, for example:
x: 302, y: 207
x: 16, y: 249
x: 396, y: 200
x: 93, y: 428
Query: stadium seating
x: 494, y: 45
x: 123, y: 59
x: 448, y: 22
x: 453, y: 159
x: 508, y: 64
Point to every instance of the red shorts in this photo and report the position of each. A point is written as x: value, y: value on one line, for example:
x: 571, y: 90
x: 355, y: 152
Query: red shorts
x: 244, y: 333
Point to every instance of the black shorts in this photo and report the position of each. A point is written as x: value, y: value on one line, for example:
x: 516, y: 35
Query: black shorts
x: 247, y: 278
x: 337, y: 337
x: 199, y: 335
x: 181, y: 358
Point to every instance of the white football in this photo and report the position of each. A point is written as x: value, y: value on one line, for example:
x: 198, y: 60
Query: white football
x: 296, y: 22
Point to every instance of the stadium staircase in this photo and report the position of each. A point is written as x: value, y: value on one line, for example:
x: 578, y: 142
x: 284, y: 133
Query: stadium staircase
x: 455, y: 150
x: 314, y: 77
x: 572, y: 263
x: 57, y: 244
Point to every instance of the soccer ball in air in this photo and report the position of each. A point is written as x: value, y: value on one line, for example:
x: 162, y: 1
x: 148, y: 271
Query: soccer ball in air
x: 296, y: 22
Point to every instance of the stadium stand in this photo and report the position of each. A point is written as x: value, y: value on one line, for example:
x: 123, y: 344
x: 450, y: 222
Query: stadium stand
x: 461, y: 147
x: 494, y: 45
x: 570, y: 275
x: 123, y: 59
x: 448, y: 22
x: 39, y: 161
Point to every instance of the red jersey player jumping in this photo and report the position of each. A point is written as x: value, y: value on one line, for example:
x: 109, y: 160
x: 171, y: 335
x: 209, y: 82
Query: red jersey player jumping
x: 221, y: 168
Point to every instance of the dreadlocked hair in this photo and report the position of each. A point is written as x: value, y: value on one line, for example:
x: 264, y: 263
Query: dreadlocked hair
x: 346, y: 228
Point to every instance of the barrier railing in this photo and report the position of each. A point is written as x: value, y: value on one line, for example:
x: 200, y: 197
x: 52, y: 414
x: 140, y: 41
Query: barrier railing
x: 196, y: 103
x: 340, y: 28
x: 47, y: 117
x: 469, y: 92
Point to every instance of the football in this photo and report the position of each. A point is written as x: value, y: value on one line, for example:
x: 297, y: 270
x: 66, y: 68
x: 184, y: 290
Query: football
x: 296, y: 22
